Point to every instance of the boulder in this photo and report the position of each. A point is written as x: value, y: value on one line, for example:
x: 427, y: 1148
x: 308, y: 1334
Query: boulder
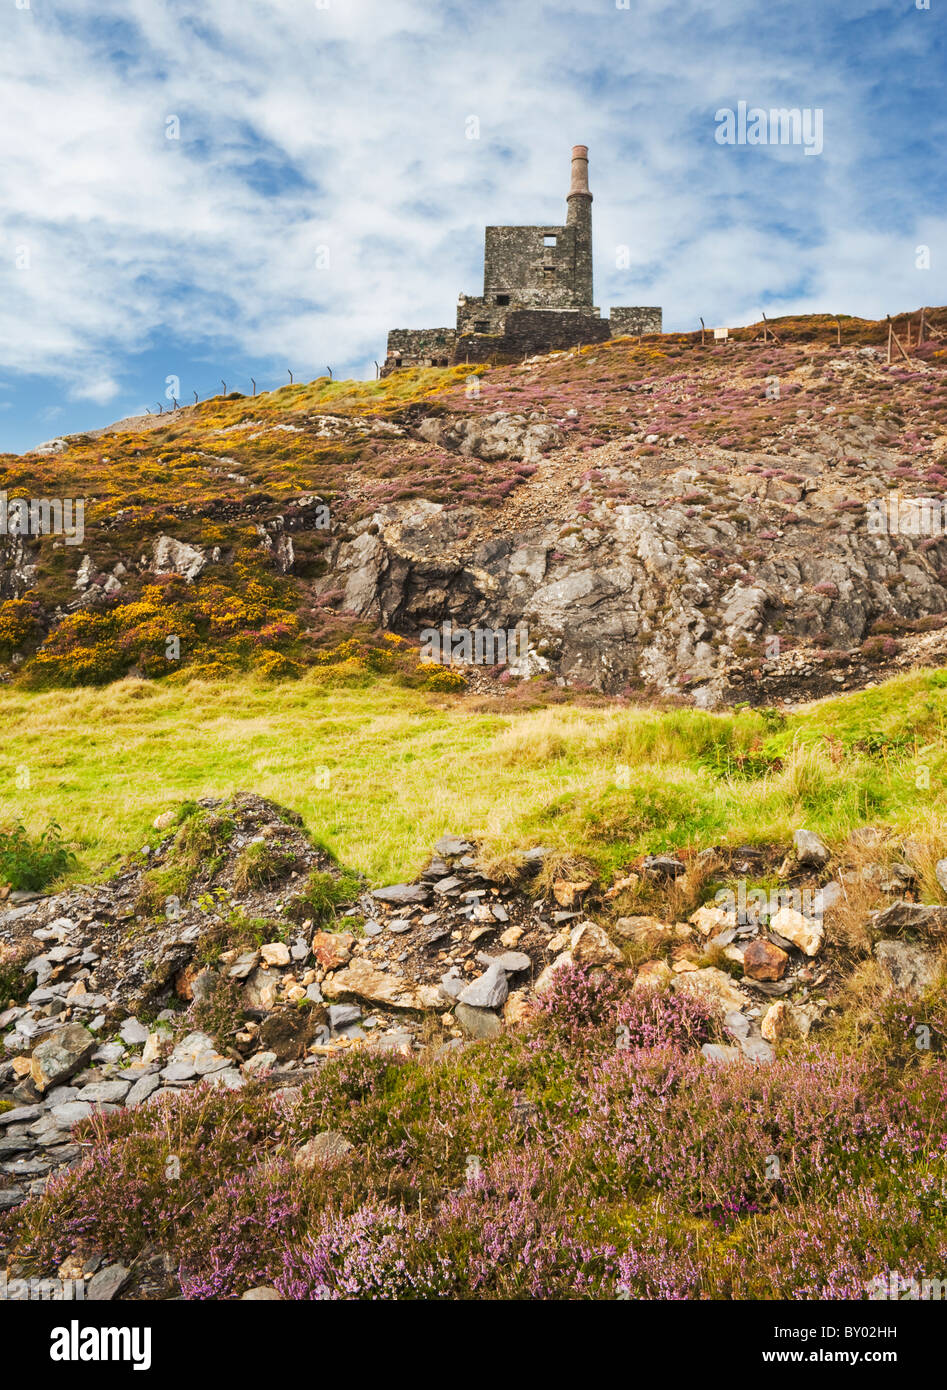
x: 70, y: 1112
x: 653, y: 974
x: 764, y: 961
x: 142, y: 1089
x: 720, y: 1052
x: 261, y: 989
x: 710, y: 921
x: 804, y: 932
x: 780, y: 1022
x: 259, y: 1063
x: 567, y: 893
x: 940, y: 873
x: 170, y: 556
x: 713, y: 985
x: 60, y: 1055
x: 360, y: 980
x: 107, y: 1283
x: 326, y: 1148
x: 590, y: 946
x: 910, y: 967
x: 517, y: 1008
x: 810, y: 849
x: 105, y: 1092
x: 478, y: 1023
x: 332, y: 949
x: 488, y: 991
x: 452, y: 846
x: 643, y: 928
x: 663, y: 866
x: 133, y: 1033
x: 756, y: 1050
x: 927, y: 919
x: 402, y: 894
x: 547, y: 976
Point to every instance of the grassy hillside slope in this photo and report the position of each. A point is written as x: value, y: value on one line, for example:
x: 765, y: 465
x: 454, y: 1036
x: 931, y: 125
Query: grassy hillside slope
x: 379, y: 771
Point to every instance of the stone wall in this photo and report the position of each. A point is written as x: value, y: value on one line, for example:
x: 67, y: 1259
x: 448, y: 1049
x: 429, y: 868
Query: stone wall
x: 419, y: 347
x: 481, y: 314
x: 629, y: 322
x: 517, y: 263
x: 530, y: 331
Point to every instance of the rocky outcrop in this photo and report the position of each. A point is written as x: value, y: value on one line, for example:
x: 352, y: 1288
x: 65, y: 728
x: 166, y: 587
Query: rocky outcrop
x: 498, y: 435
x: 171, y: 556
x: 620, y: 595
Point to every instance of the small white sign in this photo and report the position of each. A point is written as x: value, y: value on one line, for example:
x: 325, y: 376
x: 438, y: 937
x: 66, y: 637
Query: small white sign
x: 721, y: 334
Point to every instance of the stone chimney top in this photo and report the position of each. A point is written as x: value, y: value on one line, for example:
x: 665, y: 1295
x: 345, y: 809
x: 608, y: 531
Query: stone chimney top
x: 580, y: 172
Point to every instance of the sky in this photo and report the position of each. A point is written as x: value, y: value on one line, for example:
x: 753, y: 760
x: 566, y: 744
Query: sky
x: 198, y: 191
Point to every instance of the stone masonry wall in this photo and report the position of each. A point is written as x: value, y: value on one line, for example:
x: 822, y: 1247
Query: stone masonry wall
x: 518, y: 263
x: 419, y: 347
x: 630, y: 322
x: 530, y: 331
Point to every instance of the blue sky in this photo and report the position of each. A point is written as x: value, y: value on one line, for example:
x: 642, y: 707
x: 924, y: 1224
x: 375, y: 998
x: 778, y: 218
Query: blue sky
x: 324, y: 187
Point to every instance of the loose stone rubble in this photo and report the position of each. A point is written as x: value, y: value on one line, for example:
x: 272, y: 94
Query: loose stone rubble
x: 454, y: 957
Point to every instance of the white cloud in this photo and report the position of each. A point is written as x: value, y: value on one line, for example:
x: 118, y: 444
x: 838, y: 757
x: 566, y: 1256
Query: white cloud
x: 135, y: 239
x: 99, y: 389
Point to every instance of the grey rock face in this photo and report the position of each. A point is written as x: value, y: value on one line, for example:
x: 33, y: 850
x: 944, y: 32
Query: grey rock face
x: 171, y: 556
x: 922, y: 918
x: 478, y: 1023
x: 488, y: 991
x: 909, y: 967
x: 61, y: 1054
x: 71, y: 1112
x: 403, y: 893
x: 663, y: 866
x: 111, y: 1092
x: 451, y: 846
x: 133, y: 1033
x: 142, y: 1089
x: 810, y: 849
x: 328, y: 1147
x: 637, y: 590
x: 107, y: 1283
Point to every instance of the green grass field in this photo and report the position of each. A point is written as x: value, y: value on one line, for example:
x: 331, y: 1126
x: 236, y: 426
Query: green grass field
x: 378, y: 771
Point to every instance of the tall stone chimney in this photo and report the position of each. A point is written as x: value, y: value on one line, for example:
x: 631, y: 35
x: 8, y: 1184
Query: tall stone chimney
x: 579, y: 216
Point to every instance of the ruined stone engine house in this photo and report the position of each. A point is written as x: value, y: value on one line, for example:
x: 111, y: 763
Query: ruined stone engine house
x: 537, y: 295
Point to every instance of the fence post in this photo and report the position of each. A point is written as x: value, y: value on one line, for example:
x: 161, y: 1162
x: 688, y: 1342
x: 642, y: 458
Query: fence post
x: 893, y: 337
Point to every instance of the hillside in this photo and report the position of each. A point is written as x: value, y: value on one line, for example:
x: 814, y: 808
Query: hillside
x: 615, y: 971
x: 663, y: 518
